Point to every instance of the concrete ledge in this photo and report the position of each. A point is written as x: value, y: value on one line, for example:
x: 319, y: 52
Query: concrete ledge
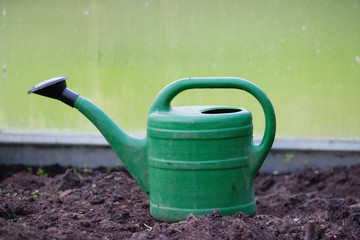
x: 50, y: 139
x: 92, y: 150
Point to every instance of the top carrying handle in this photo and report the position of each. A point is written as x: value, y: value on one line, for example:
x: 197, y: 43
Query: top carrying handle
x: 259, y: 152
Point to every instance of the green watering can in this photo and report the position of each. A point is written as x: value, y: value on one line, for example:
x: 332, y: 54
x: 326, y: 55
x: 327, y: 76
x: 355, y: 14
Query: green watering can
x: 193, y: 159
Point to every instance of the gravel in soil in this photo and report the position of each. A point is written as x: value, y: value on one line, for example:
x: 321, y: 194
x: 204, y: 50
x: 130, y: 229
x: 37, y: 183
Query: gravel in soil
x: 59, y: 203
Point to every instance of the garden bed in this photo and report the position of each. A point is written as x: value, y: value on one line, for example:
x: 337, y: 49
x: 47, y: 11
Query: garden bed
x: 55, y: 203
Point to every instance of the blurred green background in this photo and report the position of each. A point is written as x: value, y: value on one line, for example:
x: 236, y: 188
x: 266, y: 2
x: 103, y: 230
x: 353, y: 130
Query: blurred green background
x: 304, y: 54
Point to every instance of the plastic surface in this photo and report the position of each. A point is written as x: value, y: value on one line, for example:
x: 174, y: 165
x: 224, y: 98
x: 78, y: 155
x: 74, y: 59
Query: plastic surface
x: 194, y: 159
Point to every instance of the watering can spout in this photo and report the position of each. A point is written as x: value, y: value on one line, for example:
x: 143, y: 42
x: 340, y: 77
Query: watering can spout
x: 130, y: 150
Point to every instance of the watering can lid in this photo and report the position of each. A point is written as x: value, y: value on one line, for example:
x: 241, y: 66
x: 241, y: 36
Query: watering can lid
x: 200, y: 122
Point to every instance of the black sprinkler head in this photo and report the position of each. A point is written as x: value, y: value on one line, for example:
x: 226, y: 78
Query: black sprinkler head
x: 55, y: 88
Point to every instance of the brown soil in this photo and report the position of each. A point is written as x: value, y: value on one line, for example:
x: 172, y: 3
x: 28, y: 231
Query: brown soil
x: 102, y: 204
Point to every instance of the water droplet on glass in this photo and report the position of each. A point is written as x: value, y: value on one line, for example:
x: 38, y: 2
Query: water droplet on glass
x: 4, y: 71
x: 357, y: 59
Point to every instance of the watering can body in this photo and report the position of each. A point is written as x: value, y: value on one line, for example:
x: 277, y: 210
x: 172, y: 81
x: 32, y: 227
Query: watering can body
x: 199, y: 161
x: 194, y: 159
x: 203, y: 157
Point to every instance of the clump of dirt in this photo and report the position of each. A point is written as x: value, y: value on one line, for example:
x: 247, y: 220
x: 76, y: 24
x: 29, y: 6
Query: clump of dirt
x: 108, y: 204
